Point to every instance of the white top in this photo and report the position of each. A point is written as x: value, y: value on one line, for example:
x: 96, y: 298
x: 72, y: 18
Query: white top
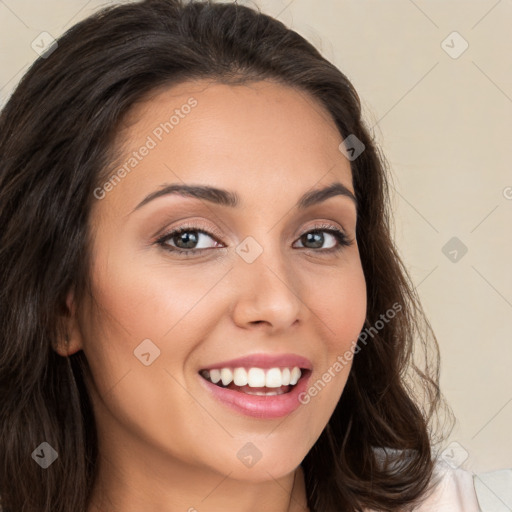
x: 460, y: 490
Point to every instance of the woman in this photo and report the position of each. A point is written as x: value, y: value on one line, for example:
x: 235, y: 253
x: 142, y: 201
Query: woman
x: 202, y: 306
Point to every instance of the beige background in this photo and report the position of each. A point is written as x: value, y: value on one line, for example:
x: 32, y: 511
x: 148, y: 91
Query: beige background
x: 444, y: 124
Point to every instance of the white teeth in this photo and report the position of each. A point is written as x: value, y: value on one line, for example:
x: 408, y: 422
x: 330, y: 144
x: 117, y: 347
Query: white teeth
x: 273, y: 378
x: 294, y: 376
x: 254, y: 377
x: 215, y: 376
x: 226, y: 375
x: 240, y: 377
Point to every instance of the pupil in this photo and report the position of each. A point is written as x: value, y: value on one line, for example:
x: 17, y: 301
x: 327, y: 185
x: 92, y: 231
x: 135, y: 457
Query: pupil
x: 187, y: 238
x: 319, y: 238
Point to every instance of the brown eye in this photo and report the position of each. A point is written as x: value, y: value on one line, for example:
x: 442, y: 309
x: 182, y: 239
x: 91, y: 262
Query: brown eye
x: 185, y: 240
x: 315, y: 239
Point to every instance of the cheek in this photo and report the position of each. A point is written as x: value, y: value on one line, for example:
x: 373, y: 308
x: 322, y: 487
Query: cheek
x: 339, y: 300
x: 142, y: 298
x: 340, y: 308
x: 139, y: 303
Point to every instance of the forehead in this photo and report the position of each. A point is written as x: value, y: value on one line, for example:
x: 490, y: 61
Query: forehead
x: 242, y: 135
x: 239, y: 101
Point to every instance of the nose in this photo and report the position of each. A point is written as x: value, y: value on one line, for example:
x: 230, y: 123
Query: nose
x: 267, y: 294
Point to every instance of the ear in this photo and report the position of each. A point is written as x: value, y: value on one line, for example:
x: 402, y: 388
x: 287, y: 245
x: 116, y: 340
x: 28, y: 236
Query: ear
x: 69, y: 337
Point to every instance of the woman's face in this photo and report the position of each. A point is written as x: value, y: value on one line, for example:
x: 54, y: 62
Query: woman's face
x: 253, y: 284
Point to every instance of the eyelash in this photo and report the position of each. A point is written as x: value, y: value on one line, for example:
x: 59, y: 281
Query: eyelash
x: 342, y: 239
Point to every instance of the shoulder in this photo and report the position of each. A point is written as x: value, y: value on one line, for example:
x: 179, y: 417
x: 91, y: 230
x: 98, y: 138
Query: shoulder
x: 454, y: 489
x: 461, y: 490
x: 494, y: 490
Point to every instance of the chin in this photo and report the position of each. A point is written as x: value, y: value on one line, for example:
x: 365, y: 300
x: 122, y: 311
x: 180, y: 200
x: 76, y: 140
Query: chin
x: 258, y: 461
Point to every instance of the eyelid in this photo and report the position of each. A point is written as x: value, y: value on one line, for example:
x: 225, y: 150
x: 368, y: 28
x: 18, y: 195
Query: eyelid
x: 211, y: 230
x: 189, y: 225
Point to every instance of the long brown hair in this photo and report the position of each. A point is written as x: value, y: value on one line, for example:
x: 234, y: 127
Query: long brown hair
x: 57, y: 136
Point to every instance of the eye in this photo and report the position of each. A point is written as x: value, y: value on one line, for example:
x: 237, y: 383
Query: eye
x: 188, y: 240
x: 338, y: 239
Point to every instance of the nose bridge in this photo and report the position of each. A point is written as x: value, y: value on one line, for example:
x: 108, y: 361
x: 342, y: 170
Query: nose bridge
x: 267, y: 289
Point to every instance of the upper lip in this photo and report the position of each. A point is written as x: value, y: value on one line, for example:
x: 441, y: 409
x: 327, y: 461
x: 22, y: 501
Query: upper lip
x: 266, y: 361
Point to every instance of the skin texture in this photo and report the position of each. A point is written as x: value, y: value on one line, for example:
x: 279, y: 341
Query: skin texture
x: 165, y: 444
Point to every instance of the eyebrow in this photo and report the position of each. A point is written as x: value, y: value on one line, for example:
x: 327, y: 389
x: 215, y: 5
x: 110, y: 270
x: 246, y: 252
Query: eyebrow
x: 232, y: 199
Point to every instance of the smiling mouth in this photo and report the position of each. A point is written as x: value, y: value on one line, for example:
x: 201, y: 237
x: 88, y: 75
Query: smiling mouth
x: 256, y: 381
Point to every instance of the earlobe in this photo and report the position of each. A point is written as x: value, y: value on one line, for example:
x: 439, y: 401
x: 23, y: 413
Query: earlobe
x: 69, y: 338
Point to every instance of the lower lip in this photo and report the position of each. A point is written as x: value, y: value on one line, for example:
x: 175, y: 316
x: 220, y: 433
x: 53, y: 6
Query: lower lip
x: 265, y: 407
